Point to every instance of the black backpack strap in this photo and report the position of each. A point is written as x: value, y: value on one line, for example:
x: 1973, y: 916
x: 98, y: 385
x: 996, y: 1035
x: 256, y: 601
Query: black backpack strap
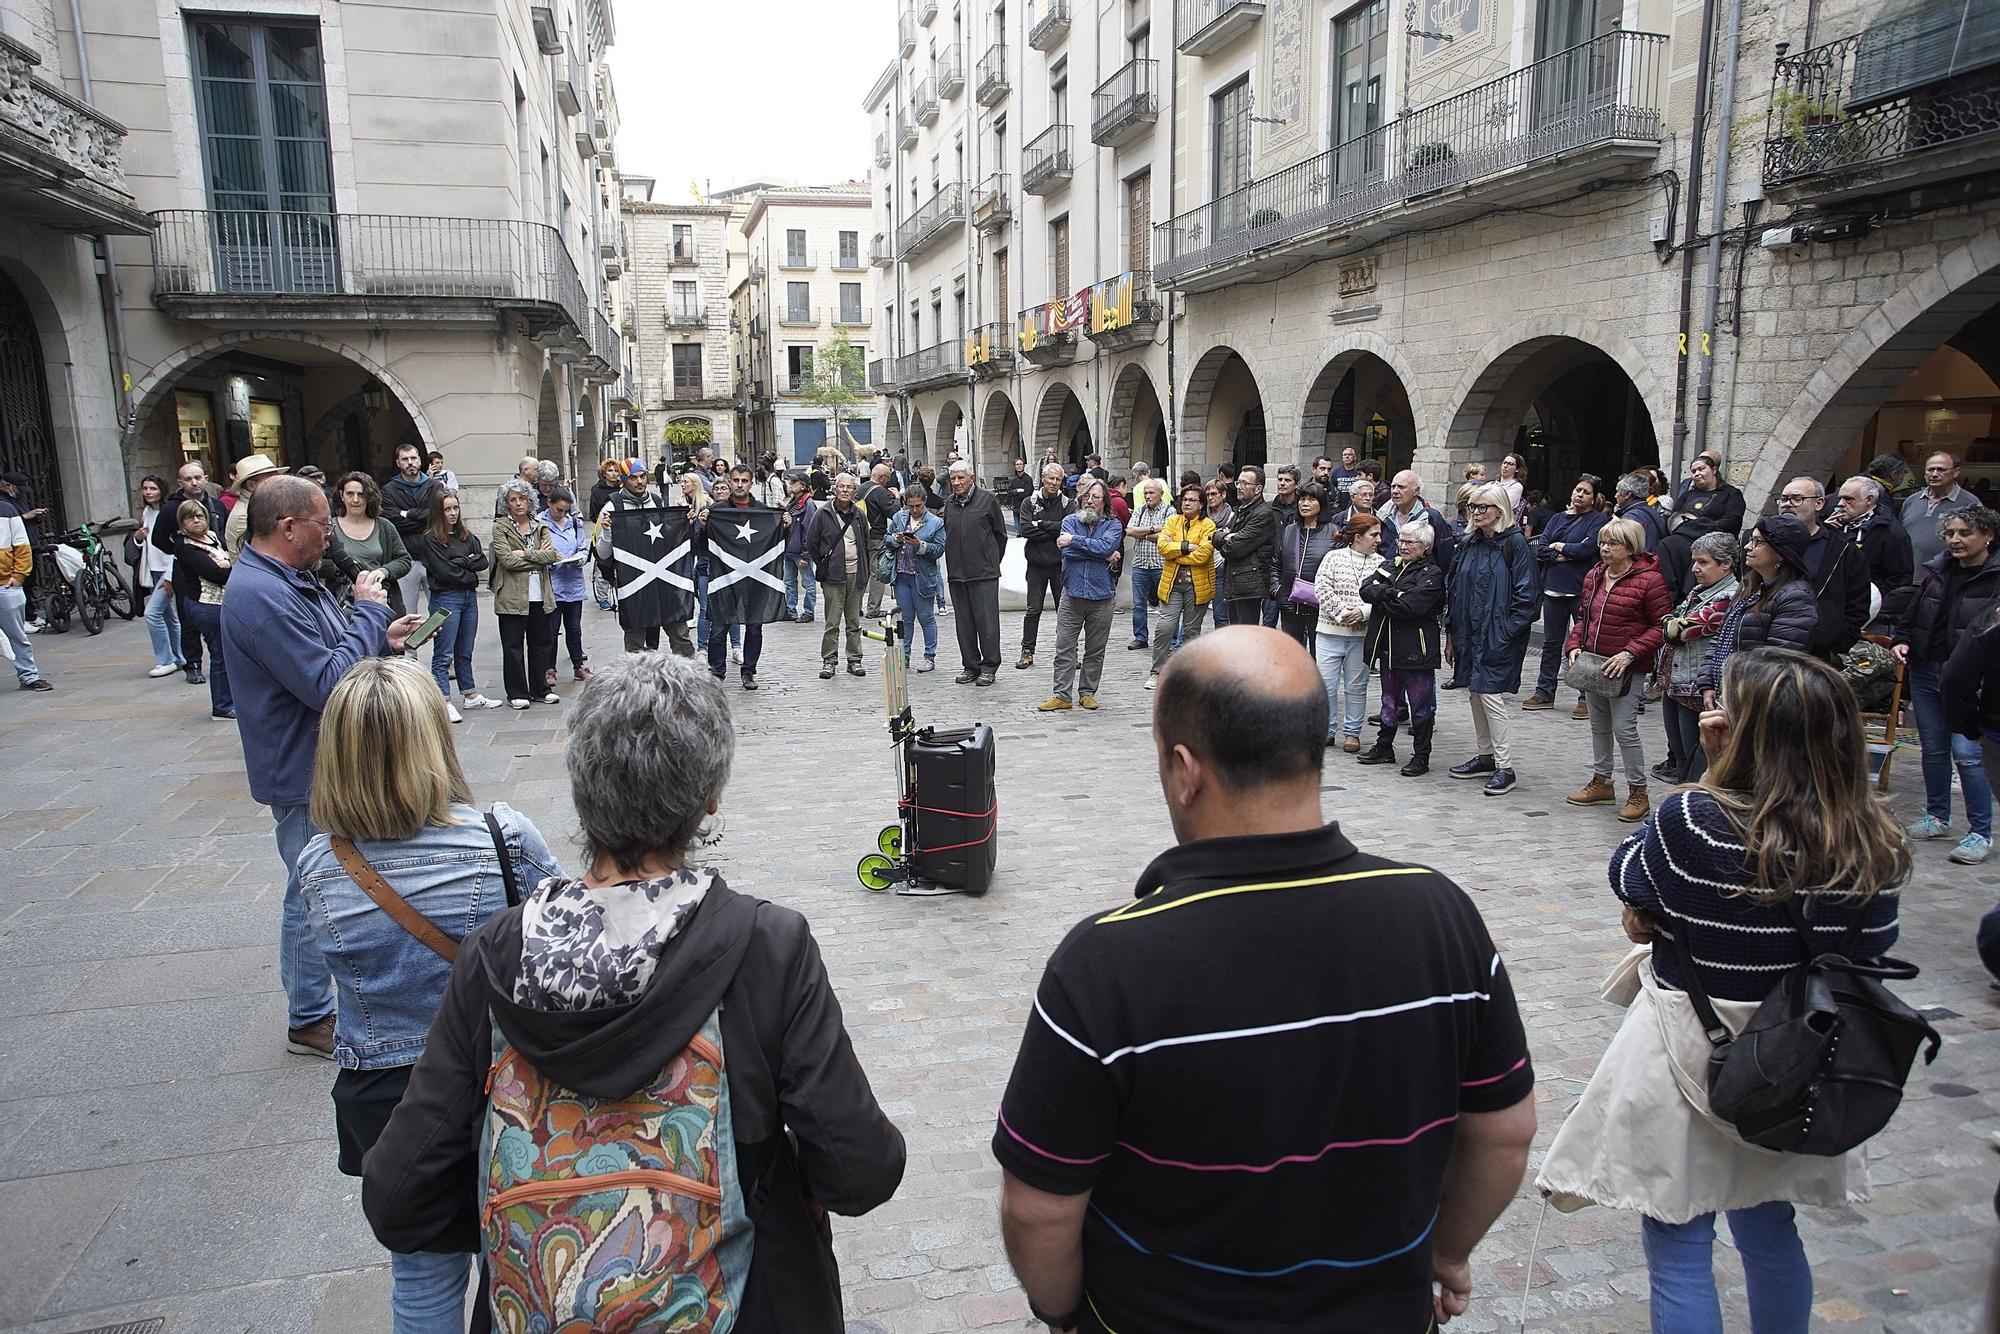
x: 506, y: 863
x: 1717, y: 1031
x: 1848, y: 943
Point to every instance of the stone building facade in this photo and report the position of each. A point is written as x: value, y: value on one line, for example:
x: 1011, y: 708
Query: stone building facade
x: 1444, y: 233
x: 684, y: 260
x: 368, y: 224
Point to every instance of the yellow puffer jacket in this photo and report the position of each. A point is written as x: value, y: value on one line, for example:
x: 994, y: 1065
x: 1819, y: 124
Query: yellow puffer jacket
x: 1199, y: 559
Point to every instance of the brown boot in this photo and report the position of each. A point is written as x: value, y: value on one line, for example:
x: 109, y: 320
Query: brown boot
x: 1635, y: 807
x: 1597, y: 792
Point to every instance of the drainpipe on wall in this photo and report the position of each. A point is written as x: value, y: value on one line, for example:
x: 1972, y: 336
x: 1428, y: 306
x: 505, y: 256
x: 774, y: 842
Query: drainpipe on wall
x: 1174, y: 462
x: 109, y: 298
x: 1705, y: 389
x: 1690, y: 230
x: 1099, y: 432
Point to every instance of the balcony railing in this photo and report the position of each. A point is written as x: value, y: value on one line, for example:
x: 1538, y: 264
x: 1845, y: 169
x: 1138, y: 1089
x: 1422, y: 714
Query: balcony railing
x: 882, y: 148
x: 1604, y: 94
x: 924, y: 102
x: 1125, y: 104
x: 906, y: 133
x: 801, y: 316
x: 682, y: 256
x: 1045, y: 161
x: 1048, y: 23
x: 848, y: 261
x: 880, y: 253
x: 686, y: 317
x: 799, y: 259
x: 950, y: 71
x: 989, y: 349
x: 854, y: 317
x: 928, y: 223
x: 906, y: 32
x: 881, y: 373
x: 993, y: 203
x: 989, y: 84
x: 1205, y: 26
x: 1125, y: 311
x: 940, y: 363
x: 685, y: 391
x: 1868, y: 105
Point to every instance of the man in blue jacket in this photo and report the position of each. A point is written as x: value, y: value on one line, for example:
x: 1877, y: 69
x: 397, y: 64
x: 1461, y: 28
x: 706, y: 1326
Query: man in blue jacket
x: 1088, y: 539
x: 288, y: 645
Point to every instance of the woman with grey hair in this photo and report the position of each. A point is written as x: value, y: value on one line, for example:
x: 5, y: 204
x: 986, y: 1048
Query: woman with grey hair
x: 1690, y: 630
x: 524, y: 554
x: 599, y: 989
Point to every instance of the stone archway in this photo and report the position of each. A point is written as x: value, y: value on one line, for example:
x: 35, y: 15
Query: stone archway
x: 950, y: 418
x: 920, y: 445
x: 999, y: 435
x: 1890, y: 342
x: 1222, y: 411
x: 1379, y: 392
x: 1138, y: 423
x: 1062, y: 426
x: 892, y: 430
x: 548, y: 421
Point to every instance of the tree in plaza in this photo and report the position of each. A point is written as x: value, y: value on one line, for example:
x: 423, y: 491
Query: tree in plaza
x: 836, y: 370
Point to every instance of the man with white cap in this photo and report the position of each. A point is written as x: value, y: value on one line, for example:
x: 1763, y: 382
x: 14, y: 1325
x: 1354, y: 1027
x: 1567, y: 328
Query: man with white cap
x: 249, y: 471
x: 975, y: 538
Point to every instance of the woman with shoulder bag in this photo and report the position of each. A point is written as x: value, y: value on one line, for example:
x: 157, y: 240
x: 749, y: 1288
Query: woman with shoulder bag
x: 406, y: 868
x: 1720, y: 869
x: 1340, y: 639
x: 1712, y: 560
x: 1302, y: 545
x: 1618, y: 633
x: 524, y: 553
x: 200, y: 558
x: 152, y: 576
x: 1774, y: 605
x: 365, y: 537
x: 1187, y: 576
x: 1404, y: 597
x: 916, y: 542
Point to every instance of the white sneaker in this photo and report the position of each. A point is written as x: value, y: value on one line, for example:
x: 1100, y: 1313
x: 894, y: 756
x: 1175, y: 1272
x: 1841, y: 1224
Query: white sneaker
x: 453, y: 713
x: 736, y: 655
x: 517, y: 703
x: 35, y: 627
x: 481, y: 702
x: 1152, y: 681
x: 164, y: 669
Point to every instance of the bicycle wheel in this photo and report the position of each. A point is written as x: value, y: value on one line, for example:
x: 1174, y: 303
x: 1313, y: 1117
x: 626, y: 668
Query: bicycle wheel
x: 90, y: 602
x: 123, y: 599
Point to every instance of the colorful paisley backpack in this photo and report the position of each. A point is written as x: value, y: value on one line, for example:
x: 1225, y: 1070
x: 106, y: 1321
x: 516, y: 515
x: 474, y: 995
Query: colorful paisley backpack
x: 617, y: 1215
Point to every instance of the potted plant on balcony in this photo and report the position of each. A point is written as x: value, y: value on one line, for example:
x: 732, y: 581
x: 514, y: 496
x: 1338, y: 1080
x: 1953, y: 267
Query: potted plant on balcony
x: 1425, y: 156
x: 1265, y: 217
x: 1816, y: 129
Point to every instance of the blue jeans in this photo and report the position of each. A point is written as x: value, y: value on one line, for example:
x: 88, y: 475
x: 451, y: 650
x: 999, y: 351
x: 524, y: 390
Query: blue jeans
x: 163, y: 623
x: 1270, y: 613
x: 1344, y: 669
x: 916, y: 610
x: 701, y: 603
x: 302, y: 968
x: 205, y: 619
x: 1219, y: 604
x: 753, y: 649
x: 428, y: 1292
x: 1680, y: 1265
x: 14, y: 625
x: 1557, y: 613
x: 1942, y: 749
x: 799, y: 583
x: 452, y: 649
x: 1145, y: 594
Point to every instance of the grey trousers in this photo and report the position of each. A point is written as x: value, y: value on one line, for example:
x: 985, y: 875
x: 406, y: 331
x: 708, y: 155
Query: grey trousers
x: 1091, y: 617
x: 1617, y: 720
x: 838, y: 601
x: 877, y: 590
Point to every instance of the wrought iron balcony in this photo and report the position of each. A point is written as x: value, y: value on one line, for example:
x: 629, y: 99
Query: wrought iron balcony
x: 1045, y: 162
x: 683, y: 255
x: 286, y: 269
x: 880, y: 253
x: 906, y: 133
x: 1205, y: 26
x: 950, y: 71
x: 1125, y: 312
x: 684, y: 391
x: 1591, y: 113
x: 1125, y: 105
x: 882, y: 148
x: 853, y: 317
x: 1906, y: 101
x: 1047, y: 334
x: 1048, y: 23
x: 932, y: 221
x: 989, y: 350
x: 798, y: 317
x: 989, y: 85
x: 993, y: 203
x: 933, y: 366
x: 686, y: 317
x: 924, y: 103
x: 60, y: 159
x: 906, y: 32
x: 882, y: 374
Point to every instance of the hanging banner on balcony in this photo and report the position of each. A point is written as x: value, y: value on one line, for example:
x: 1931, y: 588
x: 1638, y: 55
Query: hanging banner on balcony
x: 977, y: 350
x: 1111, y: 304
x: 1068, y: 313
x: 1029, y: 333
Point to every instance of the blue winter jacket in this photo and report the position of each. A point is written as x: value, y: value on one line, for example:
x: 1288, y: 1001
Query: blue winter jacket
x: 1492, y: 605
x: 1086, y: 567
x: 288, y: 645
x: 931, y: 533
x: 1573, y: 536
x: 570, y: 537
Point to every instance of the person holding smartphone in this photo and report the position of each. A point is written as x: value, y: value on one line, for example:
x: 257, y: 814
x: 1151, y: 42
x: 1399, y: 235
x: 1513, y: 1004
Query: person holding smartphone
x: 571, y: 536
x: 916, y: 536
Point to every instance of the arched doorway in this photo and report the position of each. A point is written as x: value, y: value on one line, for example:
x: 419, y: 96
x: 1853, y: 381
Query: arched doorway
x: 1565, y: 405
x: 1222, y: 412
x: 920, y: 444
x: 892, y: 430
x: 27, y: 431
x: 949, y: 419
x: 999, y: 435
x: 1138, y: 427
x: 548, y: 421
x: 1359, y: 400
x: 589, y: 447
x: 1062, y: 427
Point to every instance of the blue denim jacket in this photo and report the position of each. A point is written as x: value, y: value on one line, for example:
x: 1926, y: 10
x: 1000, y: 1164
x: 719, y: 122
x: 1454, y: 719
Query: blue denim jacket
x: 387, y: 982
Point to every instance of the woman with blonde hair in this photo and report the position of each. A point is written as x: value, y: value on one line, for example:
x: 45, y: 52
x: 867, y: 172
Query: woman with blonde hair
x: 1620, y: 619
x: 407, y: 868
x: 1737, y: 877
x: 1492, y: 605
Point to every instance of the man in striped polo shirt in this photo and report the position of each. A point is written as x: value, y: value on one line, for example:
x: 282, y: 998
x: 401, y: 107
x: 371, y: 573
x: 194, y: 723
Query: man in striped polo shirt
x: 1285, y: 1087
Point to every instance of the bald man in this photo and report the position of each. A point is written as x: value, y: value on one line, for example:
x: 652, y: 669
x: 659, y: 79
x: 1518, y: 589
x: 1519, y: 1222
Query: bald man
x: 1161, y: 1205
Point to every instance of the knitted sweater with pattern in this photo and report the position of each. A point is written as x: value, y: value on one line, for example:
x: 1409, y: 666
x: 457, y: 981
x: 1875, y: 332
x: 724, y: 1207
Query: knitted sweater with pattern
x: 1685, y: 866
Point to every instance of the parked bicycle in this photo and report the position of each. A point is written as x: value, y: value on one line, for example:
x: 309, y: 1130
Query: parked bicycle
x: 77, y: 575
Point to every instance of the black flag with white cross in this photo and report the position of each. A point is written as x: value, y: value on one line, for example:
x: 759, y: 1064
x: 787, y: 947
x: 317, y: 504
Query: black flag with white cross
x: 652, y: 557
x: 745, y: 583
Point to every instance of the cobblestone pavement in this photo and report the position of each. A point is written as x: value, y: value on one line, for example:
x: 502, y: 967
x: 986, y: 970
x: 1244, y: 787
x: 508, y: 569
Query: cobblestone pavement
x: 161, y: 1155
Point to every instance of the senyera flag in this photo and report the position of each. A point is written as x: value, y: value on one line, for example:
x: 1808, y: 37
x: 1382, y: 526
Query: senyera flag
x: 652, y: 557
x: 745, y: 585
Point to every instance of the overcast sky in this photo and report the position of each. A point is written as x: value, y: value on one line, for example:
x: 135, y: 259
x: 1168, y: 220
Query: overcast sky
x: 723, y: 91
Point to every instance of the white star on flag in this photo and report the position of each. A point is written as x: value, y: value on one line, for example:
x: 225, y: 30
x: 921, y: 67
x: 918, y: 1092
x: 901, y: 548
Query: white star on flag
x: 652, y: 532
x: 745, y: 532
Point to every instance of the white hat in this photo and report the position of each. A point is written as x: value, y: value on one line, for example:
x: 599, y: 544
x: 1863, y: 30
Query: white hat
x: 255, y: 465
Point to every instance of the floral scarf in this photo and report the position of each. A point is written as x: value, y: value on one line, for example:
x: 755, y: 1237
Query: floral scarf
x: 585, y: 948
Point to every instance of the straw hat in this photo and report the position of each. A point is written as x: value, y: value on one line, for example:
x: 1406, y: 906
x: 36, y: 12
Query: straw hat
x: 255, y: 465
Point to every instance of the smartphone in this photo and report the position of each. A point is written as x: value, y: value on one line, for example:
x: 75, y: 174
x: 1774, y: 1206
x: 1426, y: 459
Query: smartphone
x: 432, y: 624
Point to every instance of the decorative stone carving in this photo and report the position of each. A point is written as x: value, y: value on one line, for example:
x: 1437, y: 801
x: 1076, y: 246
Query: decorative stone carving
x: 71, y: 131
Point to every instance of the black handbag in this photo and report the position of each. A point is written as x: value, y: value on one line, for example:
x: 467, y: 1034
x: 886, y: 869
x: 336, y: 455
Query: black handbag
x: 1819, y: 1068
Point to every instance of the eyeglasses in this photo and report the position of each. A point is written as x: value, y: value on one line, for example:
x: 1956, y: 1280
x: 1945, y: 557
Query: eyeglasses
x: 324, y: 521
x: 1479, y: 506
x: 1754, y: 541
x: 1792, y: 498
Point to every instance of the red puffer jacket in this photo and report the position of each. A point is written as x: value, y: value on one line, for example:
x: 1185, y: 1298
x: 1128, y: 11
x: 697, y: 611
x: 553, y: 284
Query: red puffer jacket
x: 1625, y: 618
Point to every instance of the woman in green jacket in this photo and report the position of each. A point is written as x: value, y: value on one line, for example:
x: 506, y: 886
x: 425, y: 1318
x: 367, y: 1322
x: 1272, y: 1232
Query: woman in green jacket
x: 523, y: 598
